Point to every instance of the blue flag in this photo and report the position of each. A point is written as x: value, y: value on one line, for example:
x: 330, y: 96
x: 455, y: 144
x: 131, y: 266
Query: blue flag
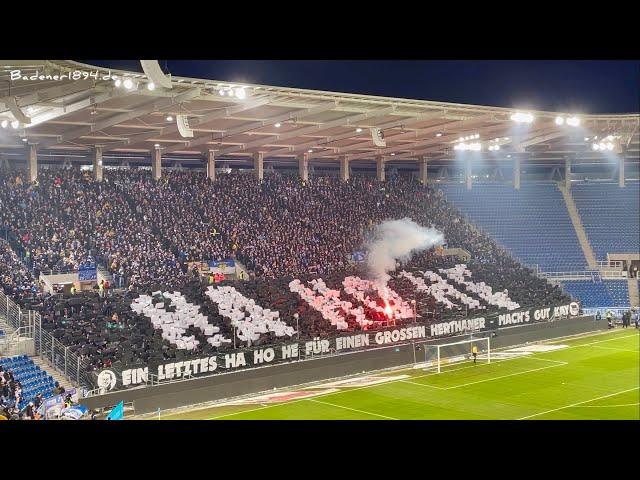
x: 117, y: 413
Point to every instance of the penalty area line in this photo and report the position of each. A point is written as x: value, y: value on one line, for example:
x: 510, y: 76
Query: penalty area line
x: 488, y: 379
x: 349, y: 408
x: 579, y: 403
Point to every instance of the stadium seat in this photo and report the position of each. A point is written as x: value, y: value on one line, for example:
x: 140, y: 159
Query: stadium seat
x: 532, y: 223
x: 610, y: 216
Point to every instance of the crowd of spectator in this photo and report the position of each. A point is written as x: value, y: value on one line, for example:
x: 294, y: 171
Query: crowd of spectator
x: 11, y: 396
x: 145, y: 233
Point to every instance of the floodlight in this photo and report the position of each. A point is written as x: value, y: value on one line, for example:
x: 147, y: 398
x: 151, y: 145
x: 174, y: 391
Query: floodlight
x: 241, y: 93
x: 151, y: 86
x: 560, y: 121
x: 4, y: 123
x: 128, y: 84
x: 521, y: 117
x: 573, y: 121
x: 15, y: 124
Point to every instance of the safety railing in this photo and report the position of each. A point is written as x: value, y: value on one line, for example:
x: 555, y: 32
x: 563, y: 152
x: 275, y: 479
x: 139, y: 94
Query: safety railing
x: 27, y: 324
x: 616, y: 311
x: 594, y: 275
x: 610, y: 265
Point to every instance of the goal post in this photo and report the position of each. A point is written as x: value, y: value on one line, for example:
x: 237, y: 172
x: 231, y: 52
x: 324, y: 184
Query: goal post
x: 438, y: 355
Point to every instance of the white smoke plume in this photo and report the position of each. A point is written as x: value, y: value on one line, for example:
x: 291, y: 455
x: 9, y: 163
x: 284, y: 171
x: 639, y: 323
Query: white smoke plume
x: 397, y: 240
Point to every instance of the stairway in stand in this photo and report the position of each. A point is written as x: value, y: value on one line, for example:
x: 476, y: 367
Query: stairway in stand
x: 57, y: 376
x: 577, y: 225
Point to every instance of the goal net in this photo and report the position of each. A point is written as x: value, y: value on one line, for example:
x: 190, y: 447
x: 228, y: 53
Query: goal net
x: 438, y: 356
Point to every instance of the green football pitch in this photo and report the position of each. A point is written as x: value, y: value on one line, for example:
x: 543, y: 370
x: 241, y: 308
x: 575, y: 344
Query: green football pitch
x: 590, y: 377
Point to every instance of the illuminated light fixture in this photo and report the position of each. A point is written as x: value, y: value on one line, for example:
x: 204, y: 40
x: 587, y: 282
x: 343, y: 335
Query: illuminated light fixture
x: 508, y: 156
x: 151, y: 86
x: 358, y: 130
x: 521, y: 117
x: 24, y: 139
x: 438, y: 134
x: 393, y: 154
x: 477, y: 135
x: 221, y: 92
x: 4, y: 123
x: 310, y: 151
x: 609, y: 146
x: 241, y: 93
x: 128, y: 84
x: 494, y: 147
x: 560, y: 121
x: 157, y: 145
x: 461, y: 139
x: 586, y: 139
x: 573, y: 121
x: 278, y: 125
x: 506, y: 138
x: 169, y: 118
x: 118, y: 82
x: 595, y: 146
x: 230, y: 92
x: 474, y: 147
x: 15, y: 124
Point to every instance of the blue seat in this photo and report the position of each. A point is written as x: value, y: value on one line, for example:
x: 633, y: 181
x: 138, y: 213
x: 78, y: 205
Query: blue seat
x: 514, y: 218
x: 610, y: 216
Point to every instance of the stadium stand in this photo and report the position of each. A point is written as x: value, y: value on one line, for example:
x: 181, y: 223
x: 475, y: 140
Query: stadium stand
x: 610, y: 216
x: 283, y: 229
x: 23, y: 382
x: 591, y: 294
x: 618, y: 291
x: 607, y: 293
x: 532, y: 223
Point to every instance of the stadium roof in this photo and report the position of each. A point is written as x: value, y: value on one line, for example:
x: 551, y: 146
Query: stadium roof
x: 284, y: 123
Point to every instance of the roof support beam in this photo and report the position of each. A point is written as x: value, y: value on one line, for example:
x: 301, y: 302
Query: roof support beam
x: 297, y: 114
x: 49, y: 94
x: 342, y: 136
x: 123, y: 117
x: 429, y: 141
x: 457, y: 124
x: 349, y: 120
x: 543, y: 138
x: 222, y: 113
x: 445, y: 141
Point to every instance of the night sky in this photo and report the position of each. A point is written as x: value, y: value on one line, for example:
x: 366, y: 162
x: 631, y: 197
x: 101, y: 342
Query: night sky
x: 570, y: 86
